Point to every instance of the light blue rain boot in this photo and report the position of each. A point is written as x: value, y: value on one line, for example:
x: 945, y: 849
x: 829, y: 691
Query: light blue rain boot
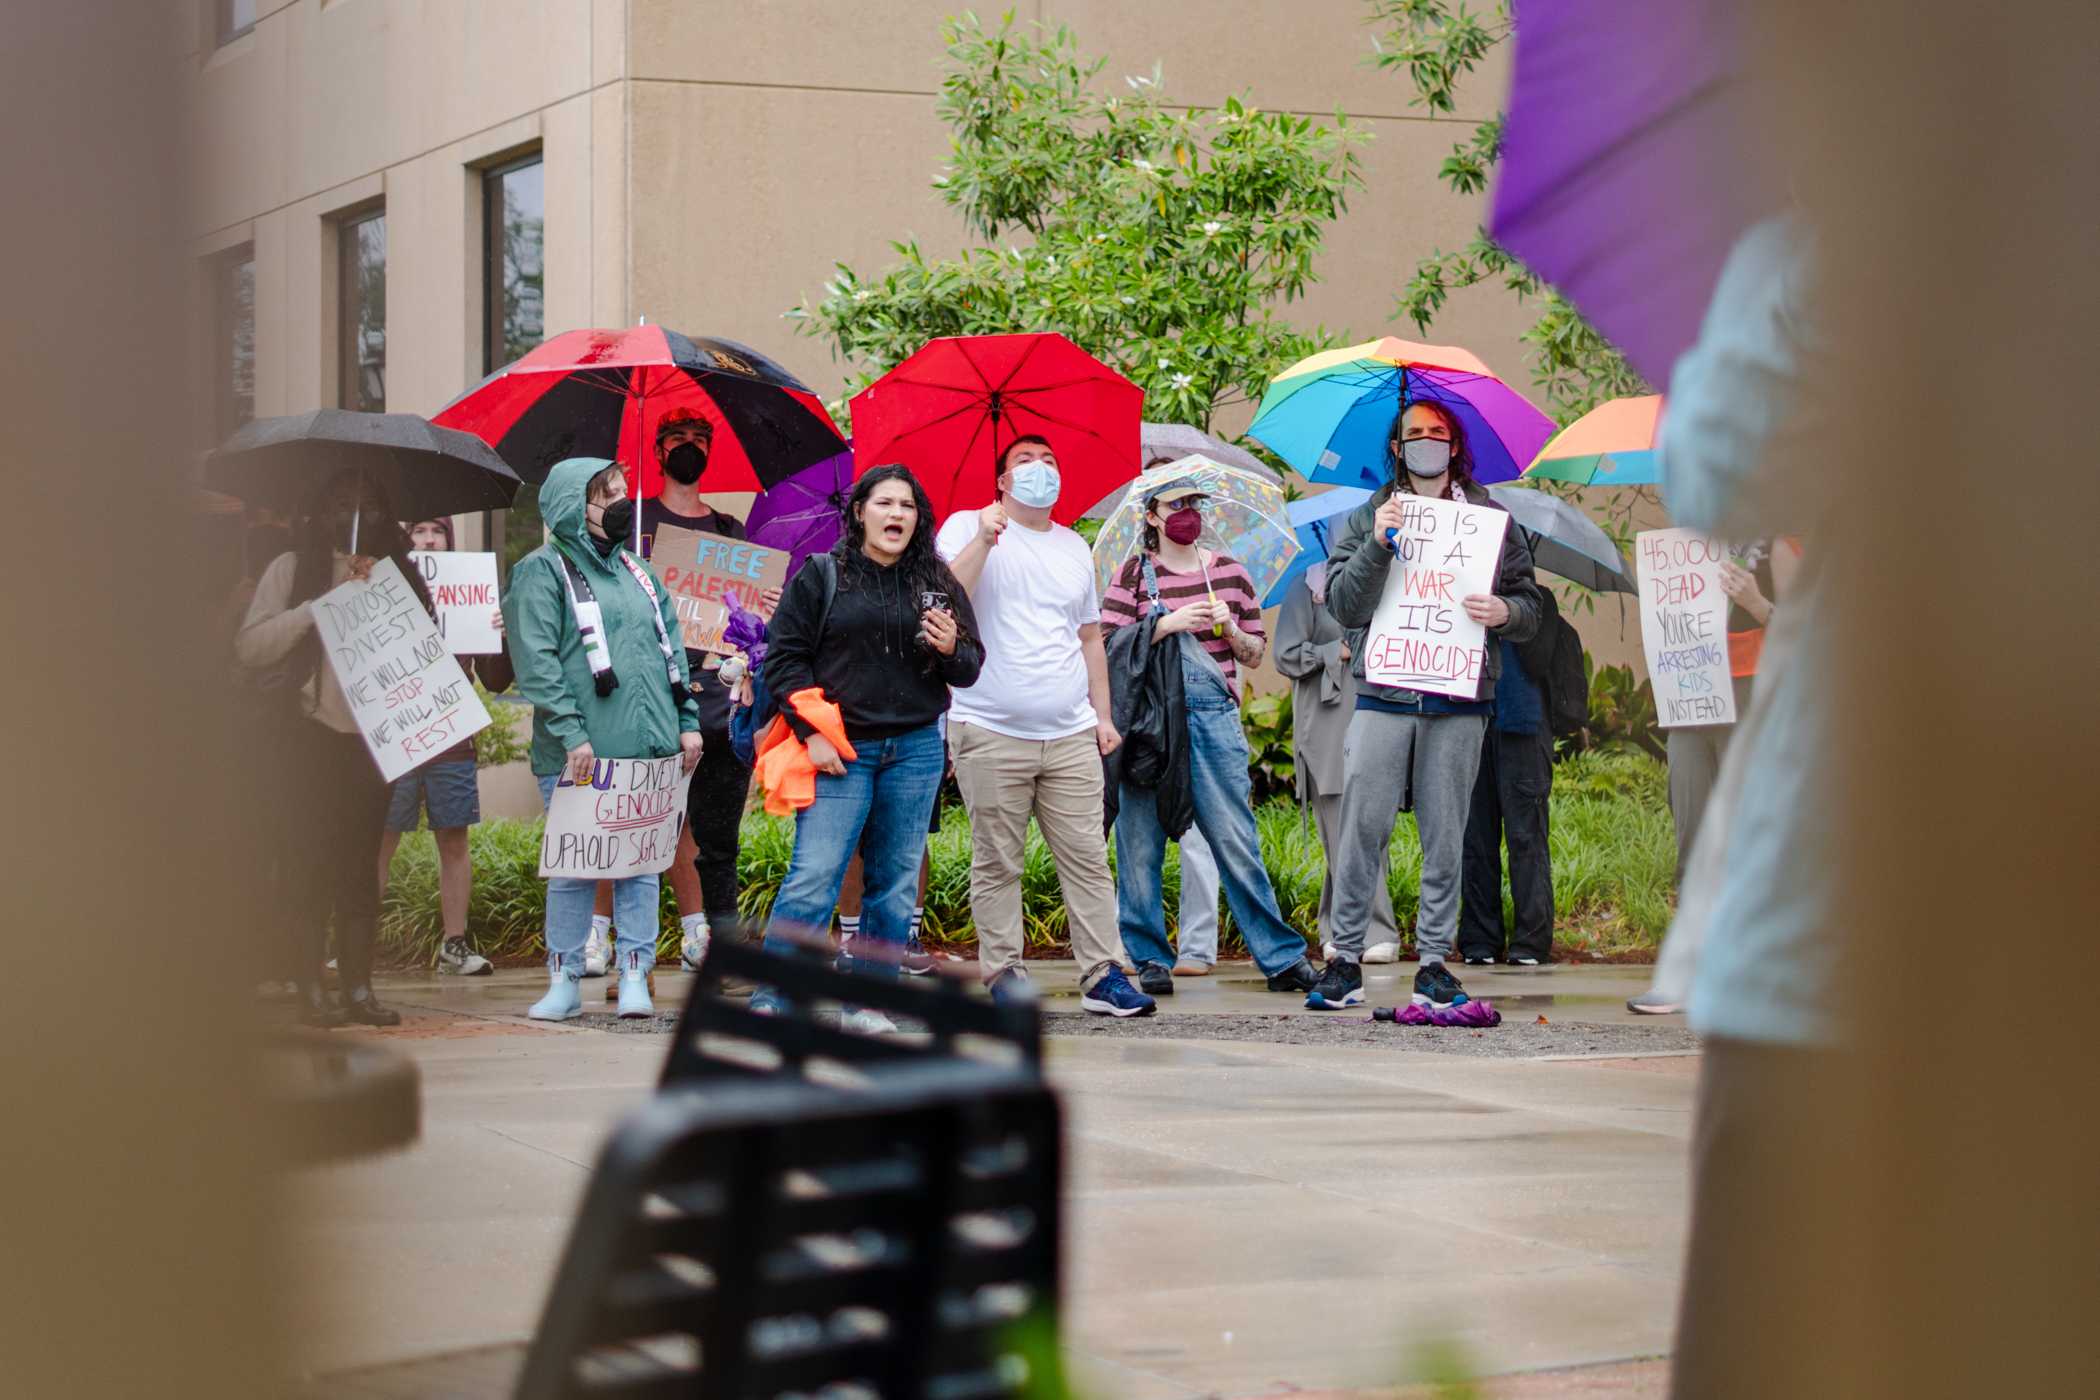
x: 563, y: 1001
x: 635, y: 999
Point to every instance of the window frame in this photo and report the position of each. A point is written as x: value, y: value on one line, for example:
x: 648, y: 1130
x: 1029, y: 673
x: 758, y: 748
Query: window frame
x: 495, y: 526
x: 222, y: 21
x: 349, y: 389
x: 220, y: 270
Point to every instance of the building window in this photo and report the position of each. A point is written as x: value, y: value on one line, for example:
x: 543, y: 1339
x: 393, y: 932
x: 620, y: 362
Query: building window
x: 361, y: 312
x: 513, y: 272
x: 236, y: 17
x: 233, y: 337
x: 514, y: 216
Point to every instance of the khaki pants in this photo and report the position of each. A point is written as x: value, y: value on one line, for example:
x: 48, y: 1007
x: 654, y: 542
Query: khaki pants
x: 1058, y: 781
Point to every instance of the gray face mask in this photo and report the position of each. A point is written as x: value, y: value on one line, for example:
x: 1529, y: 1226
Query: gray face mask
x: 1426, y: 457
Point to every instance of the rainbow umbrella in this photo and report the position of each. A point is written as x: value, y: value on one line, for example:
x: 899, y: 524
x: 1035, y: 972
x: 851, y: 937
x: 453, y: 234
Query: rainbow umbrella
x: 1611, y: 445
x: 1330, y: 414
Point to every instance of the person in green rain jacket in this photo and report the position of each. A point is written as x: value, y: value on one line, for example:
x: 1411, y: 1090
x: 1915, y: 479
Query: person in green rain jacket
x: 595, y: 643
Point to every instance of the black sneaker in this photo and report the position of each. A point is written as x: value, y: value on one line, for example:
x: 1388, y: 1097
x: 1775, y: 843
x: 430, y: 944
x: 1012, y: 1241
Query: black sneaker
x: 1300, y: 976
x: 1156, y: 979
x: 1435, y: 986
x: 1342, y: 984
x: 1479, y: 959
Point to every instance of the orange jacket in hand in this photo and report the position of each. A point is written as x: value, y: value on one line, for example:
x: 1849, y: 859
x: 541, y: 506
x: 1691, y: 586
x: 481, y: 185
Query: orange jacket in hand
x: 783, y: 768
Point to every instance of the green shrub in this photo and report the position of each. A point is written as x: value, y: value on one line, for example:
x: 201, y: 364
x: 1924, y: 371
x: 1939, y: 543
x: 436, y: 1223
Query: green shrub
x: 1614, y: 859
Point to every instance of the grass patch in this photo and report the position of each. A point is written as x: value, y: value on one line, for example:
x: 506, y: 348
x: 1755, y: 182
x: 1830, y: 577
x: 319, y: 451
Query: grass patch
x: 1614, y: 861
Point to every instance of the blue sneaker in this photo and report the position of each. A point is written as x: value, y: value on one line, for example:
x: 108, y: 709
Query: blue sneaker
x: 1341, y: 985
x: 767, y: 1002
x: 1114, y: 996
x: 1012, y: 988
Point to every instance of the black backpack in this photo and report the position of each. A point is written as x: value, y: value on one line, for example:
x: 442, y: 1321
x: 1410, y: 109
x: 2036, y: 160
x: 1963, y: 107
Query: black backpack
x: 1553, y: 658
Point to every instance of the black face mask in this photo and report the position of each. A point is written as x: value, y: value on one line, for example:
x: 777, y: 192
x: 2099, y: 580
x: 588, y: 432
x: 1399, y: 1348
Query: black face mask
x: 684, y: 463
x: 617, y: 520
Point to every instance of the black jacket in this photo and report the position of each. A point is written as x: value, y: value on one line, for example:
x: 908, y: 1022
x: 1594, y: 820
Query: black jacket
x: 1145, y: 701
x: 864, y: 652
x: 1356, y: 572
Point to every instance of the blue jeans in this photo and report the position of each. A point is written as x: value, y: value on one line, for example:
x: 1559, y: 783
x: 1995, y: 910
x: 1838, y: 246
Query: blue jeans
x: 569, y: 913
x: 1218, y: 761
x: 894, y: 780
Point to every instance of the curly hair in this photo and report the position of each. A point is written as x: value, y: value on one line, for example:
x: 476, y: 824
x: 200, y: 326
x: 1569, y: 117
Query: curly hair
x: 924, y: 571
x: 1461, y: 450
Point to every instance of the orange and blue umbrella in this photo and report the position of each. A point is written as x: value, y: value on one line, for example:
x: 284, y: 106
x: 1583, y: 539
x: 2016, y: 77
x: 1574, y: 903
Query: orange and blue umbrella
x: 1330, y: 415
x: 1611, y: 445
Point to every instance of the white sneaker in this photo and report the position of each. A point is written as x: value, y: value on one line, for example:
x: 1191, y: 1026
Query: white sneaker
x: 693, y: 947
x: 868, y: 1021
x: 597, y: 952
x: 1387, y: 952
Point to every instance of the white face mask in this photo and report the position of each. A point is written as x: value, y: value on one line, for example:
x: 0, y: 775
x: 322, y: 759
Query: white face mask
x: 1426, y: 456
x: 1035, y: 484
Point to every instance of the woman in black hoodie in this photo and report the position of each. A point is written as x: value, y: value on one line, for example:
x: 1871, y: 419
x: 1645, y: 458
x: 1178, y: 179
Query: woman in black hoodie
x: 883, y: 629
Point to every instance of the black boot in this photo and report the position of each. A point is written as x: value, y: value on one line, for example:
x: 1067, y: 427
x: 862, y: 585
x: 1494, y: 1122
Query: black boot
x: 315, y: 1009
x: 360, y: 1007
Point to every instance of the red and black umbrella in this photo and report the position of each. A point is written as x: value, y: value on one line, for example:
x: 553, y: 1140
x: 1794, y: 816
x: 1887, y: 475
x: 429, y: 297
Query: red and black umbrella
x: 950, y: 409
x: 599, y: 393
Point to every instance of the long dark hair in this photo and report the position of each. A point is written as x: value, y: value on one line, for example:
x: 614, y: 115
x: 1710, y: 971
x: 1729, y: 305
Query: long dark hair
x: 1461, y: 450
x: 923, y: 569
x: 314, y: 542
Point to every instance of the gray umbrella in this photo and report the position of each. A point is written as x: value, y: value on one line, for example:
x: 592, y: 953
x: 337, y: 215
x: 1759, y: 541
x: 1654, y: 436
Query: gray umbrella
x: 425, y: 470
x: 1171, y: 442
x: 1564, y: 541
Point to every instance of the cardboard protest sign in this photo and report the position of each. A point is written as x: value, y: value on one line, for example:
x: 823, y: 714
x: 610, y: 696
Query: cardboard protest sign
x: 1684, y: 626
x: 1420, y: 637
x: 410, y: 699
x: 463, y: 590
x: 705, y: 572
x: 624, y: 821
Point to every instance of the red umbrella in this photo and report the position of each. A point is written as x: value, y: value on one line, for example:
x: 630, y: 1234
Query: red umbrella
x: 956, y: 403
x: 600, y: 393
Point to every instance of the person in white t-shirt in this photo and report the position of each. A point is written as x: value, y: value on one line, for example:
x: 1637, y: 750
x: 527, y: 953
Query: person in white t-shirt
x: 1029, y: 737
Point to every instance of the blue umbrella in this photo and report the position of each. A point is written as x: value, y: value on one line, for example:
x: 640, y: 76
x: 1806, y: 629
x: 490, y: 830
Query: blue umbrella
x: 1314, y: 520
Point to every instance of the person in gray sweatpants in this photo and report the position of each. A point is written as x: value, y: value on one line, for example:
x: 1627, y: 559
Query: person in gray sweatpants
x: 1408, y: 748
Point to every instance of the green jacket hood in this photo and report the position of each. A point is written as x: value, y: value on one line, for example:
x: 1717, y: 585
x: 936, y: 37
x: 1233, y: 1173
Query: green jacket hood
x: 561, y: 507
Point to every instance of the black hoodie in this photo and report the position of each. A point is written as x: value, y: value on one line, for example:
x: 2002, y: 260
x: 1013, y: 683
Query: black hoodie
x: 867, y: 658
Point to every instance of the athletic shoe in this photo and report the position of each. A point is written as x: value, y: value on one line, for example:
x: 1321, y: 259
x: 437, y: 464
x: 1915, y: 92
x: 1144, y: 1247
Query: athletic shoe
x: 1300, y: 976
x: 1525, y: 960
x: 1435, y: 986
x: 692, y: 947
x: 1012, y: 988
x: 1156, y: 978
x: 868, y: 1021
x: 1342, y: 984
x: 1386, y: 952
x: 563, y: 1001
x: 917, y: 962
x: 1479, y: 959
x: 767, y: 1002
x: 455, y: 957
x: 597, y: 952
x: 1114, y: 996
x: 1654, y: 1003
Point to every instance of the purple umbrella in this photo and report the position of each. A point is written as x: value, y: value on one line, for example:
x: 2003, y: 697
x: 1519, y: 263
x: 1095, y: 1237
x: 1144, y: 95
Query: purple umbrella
x: 804, y: 514
x: 1629, y: 164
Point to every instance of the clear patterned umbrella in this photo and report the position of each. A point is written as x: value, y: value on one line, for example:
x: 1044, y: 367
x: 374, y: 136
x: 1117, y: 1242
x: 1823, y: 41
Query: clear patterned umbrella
x: 1245, y: 517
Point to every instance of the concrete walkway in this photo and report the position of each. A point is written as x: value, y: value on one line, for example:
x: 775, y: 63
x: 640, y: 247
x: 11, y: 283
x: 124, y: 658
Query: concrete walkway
x: 1245, y: 1218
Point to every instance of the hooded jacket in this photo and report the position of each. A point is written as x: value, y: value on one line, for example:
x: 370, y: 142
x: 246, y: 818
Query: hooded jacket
x: 641, y: 718
x: 1147, y: 707
x: 1356, y: 572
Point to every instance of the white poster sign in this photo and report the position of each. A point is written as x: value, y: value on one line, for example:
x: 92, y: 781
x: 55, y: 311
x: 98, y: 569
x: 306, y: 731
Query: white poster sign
x: 624, y: 821
x: 1420, y: 637
x: 410, y: 699
x: 463, y: 590
x: 1684, y: 626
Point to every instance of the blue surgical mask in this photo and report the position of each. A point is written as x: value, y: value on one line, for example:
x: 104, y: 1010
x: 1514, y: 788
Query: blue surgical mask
x: 1035, y: 484
x: 1426, y: 456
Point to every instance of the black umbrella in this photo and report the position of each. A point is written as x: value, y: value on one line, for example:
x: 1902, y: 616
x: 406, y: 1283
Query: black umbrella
x: 427, y: 471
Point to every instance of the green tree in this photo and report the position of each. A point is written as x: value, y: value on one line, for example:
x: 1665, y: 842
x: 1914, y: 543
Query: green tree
x: 1163, y: 240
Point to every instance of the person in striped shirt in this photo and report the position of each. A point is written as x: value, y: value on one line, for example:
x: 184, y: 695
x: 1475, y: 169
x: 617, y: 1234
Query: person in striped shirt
x: 1180, y: 588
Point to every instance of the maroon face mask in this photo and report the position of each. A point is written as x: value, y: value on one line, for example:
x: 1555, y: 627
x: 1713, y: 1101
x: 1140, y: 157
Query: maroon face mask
x: 1184, y: 525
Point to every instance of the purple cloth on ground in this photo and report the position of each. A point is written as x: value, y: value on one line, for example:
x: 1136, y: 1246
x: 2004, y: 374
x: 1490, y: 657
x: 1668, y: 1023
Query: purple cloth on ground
x: 1472, y: 1014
